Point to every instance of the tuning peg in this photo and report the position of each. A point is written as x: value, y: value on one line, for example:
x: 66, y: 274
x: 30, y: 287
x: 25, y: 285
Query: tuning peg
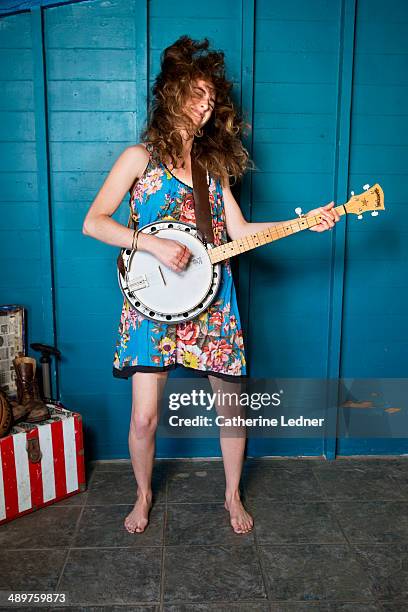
x: 352, y: 193
x: 360, y: 217
x: 298, y: 211
x: 365, y: 187
x: 374, y: 213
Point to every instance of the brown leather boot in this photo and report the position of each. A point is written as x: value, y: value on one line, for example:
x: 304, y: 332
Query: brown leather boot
x: 28, y: 394
x: 19, y: 411
x: 6, y: 416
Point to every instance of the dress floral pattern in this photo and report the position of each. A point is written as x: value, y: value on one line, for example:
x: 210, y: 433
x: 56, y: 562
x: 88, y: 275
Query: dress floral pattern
x: 211, y: 343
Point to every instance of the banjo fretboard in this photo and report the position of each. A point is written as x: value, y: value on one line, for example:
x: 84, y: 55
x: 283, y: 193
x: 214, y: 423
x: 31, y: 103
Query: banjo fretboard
x: 270, y: 234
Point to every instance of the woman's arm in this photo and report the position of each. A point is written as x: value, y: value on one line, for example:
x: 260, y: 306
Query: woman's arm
x: 238, y: 226
x: 98, y: 222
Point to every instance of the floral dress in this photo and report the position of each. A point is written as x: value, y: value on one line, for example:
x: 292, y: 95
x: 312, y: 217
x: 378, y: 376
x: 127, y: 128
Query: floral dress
x: 212, y: 342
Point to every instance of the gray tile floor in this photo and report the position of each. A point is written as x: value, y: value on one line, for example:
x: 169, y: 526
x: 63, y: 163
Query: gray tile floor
x: 328, y: 536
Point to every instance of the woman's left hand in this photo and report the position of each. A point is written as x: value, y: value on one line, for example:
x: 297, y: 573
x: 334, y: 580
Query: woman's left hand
x: 329, y: 217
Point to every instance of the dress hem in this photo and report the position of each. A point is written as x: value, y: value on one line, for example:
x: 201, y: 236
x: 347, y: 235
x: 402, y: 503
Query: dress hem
x: 128, y: 371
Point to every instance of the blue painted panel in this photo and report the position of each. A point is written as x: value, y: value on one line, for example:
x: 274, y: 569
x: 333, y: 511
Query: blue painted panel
x: 377, y: 11
x: 90, y: 64
x: 99, y: 272
x: 20, y: 240
x: 22, y: 154
x: 293, y: 158
x: 294, y: 68
x: 380, y: 37
x: 17, y: 63
x: 76, y: 185
x: 25, y: 242
x: 306, y: 99
x: 84, y: 126
x: 17, y: 95
x: 390, y: 131
x: 374, y: 338
x: 294, y: 132
x: 19, y: 186
x: 16, y: 6
x: 15, y: 32
x: 17, y: 216
x: 292, y: 10
x: 222, y: 10
x: 293, y: 188
x: 297, y: 37
x: 165, y: 30
x: 98, y: 71
x: 90, y: 303
x: 17, y: 126
x: 110, y: 24
x: 94, y: 80
x: 87, y: 96
x: 26, y: 275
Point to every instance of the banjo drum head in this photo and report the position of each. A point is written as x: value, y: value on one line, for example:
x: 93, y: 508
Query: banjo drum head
x: 155, y: 288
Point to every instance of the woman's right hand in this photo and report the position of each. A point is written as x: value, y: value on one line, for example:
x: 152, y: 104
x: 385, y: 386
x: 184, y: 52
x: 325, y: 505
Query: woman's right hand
x: 171, y: 253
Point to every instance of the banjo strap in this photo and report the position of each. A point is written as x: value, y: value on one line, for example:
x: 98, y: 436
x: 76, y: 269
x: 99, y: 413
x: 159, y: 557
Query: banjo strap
x: 201, y: 201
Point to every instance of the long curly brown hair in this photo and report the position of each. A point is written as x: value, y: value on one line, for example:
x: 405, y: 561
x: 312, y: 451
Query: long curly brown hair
x: 219, y: 149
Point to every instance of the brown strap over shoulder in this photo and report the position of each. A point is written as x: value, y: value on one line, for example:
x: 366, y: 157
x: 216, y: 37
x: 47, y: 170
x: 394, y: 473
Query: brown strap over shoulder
x: 202, y: 202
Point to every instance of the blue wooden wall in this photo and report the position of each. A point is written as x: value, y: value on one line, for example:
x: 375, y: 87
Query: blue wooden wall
x: 324, y: 84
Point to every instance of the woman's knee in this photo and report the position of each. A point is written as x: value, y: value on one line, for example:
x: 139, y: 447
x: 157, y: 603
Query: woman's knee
x: 143, y: 424
x: 147, y: 389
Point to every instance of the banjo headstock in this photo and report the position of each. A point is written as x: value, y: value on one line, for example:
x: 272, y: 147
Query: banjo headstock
x: 371, y: 199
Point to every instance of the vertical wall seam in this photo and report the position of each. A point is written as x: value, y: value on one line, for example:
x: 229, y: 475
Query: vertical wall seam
x: 340, y: 188
x: 248, y: 34
x: 48, y: 314
x: 142, y: 63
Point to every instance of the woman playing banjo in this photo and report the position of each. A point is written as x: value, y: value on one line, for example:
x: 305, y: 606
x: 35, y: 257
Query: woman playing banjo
x: 192, y: 116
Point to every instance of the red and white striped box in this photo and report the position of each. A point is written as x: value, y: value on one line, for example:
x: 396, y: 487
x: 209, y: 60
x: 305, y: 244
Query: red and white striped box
x: 29, y: 482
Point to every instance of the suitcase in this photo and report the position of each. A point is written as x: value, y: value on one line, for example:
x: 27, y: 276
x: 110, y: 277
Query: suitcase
x: 41, y: 463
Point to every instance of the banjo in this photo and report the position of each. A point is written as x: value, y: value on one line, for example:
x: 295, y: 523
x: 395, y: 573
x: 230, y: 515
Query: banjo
x: 163, y: 295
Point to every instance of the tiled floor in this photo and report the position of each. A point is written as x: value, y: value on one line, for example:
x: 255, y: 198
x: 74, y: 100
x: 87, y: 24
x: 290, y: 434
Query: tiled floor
x: 328, y: 536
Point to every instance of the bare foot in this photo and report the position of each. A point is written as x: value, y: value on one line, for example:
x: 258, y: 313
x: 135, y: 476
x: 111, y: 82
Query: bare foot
x: 241, y: 520
x: 137, y: 520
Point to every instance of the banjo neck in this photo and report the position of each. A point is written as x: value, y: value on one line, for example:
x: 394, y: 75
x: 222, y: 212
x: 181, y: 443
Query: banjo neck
x: 371, y: 199
x: 269, y: 234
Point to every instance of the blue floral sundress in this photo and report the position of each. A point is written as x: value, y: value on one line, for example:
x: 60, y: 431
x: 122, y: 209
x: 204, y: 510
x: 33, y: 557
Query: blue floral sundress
x: 212, y: 342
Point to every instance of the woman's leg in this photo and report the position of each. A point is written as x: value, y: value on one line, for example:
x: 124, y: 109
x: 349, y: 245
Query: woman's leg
x: 232, y: 440
x: 147, y: 388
